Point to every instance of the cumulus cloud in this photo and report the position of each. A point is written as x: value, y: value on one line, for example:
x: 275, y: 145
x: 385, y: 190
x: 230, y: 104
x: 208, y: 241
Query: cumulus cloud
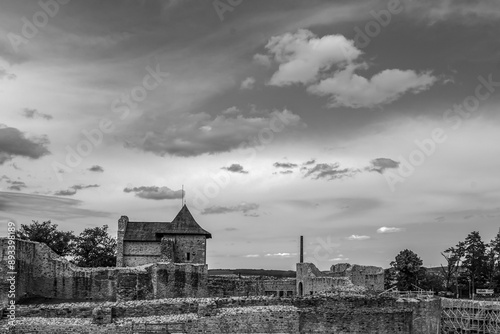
x: 284, y: 165
x: 6, y: 75
x: 309, y: 162
x: 327, y: 66
x: 385, y: 229
x: 329, y: 171
x: 346, y: 88
x: 302, y: 55
x: 235, y: 168
x: 262, y: 59
x: 74, y: 189
x: 379, y: 165
x: 14, y: 143
x: 252, y: 255
x: 197, y: 134
x: 248, y: 209
x: 156, y: 193
x: 33, y: 113
x: 356, y: 237
x: 96, y: 168
x: 248, y: 83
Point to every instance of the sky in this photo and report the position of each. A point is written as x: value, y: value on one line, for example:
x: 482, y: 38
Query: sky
x: 368, y: 127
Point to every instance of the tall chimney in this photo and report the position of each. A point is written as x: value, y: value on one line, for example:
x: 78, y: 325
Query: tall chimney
x: 301, y: 249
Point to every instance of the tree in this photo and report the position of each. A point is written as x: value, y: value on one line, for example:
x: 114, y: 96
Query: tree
x: 407, y: 267
x: 94, y: 247
x: 390, y: 279
x: 60, y: 242
x: 475, y: 261
x: 453, y: 257
x: 493, y: 266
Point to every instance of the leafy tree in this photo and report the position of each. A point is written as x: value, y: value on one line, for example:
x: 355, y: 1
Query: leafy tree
x: 493, y: 266
x: 407, y: 267
x: 94, y: 247
x: 390, y: 279
x: 475, y: 260
x: 60, y: 242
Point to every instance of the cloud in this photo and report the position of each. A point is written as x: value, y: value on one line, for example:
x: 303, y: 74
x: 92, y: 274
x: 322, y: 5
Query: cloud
x: 358, y: 237
x: 6, y: 75
x: 302, y: 56
x: 248, y: 83
x: 379, y: 165
x: 230, y: 229
x: 33, y: 113
x: 200, y: 133
x: 156, y: 193
x: 329, y: 172
x: 252, y: 255
x: 45, y: 206
x: 245, y: 208
x: 262, y: 59
x: 284, y: 165
x: 327, y: 66
x: 286, y: 171
x: 340, y: 258
x: 235, y: 168
x: 16, y: 185
x: 309, y: 162
x: 74, y: 189
x: 281, y: 254
x: 384, y: 229
x: 346, y: 88
x: 14, y: 143
x: 96, y: 168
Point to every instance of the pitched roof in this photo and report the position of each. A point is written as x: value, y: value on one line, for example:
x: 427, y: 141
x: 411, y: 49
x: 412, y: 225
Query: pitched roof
x: 183, y: 223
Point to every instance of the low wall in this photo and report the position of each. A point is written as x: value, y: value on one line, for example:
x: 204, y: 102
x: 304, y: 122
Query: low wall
x: 232, y: 285
x: 311, y: 314
x: 42, y: 273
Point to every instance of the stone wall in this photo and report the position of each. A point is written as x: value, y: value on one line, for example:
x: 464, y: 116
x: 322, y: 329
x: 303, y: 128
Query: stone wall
x: 195, y: 245
x: 138, y: 253
x: 370, y: 277
x: 232, y: 285
x: 42, y: 273
x: 310, y: 280
x: 311, y: 314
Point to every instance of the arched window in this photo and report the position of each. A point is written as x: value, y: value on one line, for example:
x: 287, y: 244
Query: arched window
x: 300, y: 289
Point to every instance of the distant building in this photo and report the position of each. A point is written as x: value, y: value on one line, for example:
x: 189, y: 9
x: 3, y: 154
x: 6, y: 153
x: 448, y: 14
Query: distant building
x: 179, y: 241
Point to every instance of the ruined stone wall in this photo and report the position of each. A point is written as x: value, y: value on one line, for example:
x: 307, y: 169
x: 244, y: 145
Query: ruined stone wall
x: 232, y: 285
x: 138, y: 253
x: 42, y: 273
x: 309, y: 280
x: 370, y: 277
x: 312, y: 314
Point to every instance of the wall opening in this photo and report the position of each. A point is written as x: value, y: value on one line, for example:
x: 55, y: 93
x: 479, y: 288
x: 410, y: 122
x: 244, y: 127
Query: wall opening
x: 300, y: 289
x: 188, y: 256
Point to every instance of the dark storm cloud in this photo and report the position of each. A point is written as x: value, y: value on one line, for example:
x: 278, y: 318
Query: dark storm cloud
x: 330, y: 172
x: 74, y: 189
x: 33, y: 113
x: 45, y: 206
x: 153, y: 192
x: 200, y: 133
x: 96, y: 168
x: 284, y: 165
x: 379, y: 165
x: 14, y: 143
x: 246, y: 208
x: 235, y: 168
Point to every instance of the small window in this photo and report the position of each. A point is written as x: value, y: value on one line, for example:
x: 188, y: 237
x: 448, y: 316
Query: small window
x: 188, y: 256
